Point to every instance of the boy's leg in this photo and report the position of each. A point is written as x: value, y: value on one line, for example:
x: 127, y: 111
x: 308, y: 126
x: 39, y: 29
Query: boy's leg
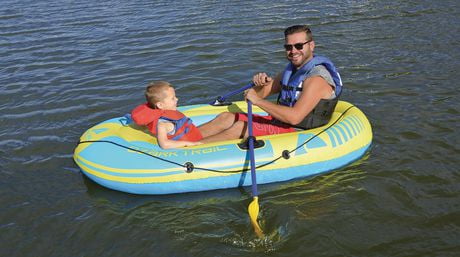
x: 222, y: 122
x: 237, y: 130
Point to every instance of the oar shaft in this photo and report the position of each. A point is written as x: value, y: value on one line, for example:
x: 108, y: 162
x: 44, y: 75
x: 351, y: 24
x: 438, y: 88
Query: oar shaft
x: 253, y: 208
x: 251, y: 151
x: 224, y: 97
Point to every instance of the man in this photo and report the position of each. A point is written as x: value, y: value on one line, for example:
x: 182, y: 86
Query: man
x: 308, y: 90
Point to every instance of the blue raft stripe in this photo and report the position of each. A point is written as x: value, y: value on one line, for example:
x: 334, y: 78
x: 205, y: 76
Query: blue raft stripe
x: 313, y: 169
x: 332, y: 138
x: 337, y: 135
x: 352, y: 126
x: 300, y: 150
x: 302, y: 138
x: 347, y: 128
x: 163, y: 174
x: 190, y: 107
x: 235, y: 180
x: 116, y: 157
x: 342, y: 131
x: 316, y: 142
x: 353, y: 120
x: 130, y: 174
x: 361, y: 125
x: 119, y: 158
x: 98, y: 131
x: 146, y: 161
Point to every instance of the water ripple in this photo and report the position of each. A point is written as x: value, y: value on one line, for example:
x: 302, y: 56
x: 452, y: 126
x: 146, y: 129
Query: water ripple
x: 69, y: 65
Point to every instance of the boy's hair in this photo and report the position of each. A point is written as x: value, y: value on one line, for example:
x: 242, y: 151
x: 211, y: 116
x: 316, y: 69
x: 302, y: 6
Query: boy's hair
x: 154, y: 92
x: 298, y: 28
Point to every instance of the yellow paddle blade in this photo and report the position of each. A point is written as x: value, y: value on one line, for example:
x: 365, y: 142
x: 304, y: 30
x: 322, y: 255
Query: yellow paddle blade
x: 253, y: 210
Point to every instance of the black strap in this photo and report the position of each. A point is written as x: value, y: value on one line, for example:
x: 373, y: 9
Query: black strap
x: 289, y: 88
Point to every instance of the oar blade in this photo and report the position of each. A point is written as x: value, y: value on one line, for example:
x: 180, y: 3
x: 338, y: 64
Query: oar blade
x: 253, y: 210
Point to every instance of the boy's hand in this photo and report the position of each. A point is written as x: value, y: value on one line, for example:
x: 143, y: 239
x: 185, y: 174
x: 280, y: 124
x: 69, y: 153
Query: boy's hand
x: 188, y: 143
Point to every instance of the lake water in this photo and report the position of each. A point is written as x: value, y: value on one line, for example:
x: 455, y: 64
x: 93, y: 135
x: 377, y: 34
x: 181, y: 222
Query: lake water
x: 67, y: 65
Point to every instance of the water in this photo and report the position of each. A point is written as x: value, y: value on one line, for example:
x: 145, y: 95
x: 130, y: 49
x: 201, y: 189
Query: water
x: 67, y: 65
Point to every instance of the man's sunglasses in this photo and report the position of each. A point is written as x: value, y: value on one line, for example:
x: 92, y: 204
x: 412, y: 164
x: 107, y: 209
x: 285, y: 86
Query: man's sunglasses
x: 298, y: 46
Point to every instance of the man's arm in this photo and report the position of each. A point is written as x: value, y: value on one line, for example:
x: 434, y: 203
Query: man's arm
x: 265, y: 85
x: 314, y: 89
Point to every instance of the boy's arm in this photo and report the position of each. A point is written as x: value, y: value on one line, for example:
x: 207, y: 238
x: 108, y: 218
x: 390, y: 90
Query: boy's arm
x: 162, y: 135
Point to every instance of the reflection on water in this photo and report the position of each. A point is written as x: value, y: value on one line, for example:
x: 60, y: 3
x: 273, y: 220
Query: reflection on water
x: 69, y: 65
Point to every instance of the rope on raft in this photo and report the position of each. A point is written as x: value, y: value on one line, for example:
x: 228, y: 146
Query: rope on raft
x: 190, y: 167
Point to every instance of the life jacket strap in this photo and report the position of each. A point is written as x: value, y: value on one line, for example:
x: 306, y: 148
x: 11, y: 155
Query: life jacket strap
x: 290, y: 88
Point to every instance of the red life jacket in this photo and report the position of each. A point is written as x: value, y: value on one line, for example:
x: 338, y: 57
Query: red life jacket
x: 143, y: 115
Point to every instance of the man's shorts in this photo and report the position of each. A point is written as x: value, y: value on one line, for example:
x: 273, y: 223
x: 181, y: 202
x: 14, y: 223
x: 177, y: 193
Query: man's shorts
x: 264, y: 125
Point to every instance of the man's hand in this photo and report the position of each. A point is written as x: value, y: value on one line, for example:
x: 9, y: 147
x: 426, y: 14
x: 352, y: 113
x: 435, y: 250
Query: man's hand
x: 262, y: 80
x: 252, y: 96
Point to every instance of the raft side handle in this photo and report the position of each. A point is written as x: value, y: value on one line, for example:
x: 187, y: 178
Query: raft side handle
x: 286, y: 154
x: 189, y: 167
x: 126, y: 120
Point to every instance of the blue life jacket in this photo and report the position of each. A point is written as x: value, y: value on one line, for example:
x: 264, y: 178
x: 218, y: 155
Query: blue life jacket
x: 291, y: 85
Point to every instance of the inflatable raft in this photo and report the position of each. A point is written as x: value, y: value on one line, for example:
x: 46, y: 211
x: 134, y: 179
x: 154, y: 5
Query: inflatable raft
x: 120, y: 155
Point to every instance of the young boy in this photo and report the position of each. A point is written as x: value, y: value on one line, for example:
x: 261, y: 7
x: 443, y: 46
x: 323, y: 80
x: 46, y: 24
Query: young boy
x: 172, y: 128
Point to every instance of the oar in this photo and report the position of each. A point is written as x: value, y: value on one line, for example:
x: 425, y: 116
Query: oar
x: 253, y: 208
x: 220, y: 100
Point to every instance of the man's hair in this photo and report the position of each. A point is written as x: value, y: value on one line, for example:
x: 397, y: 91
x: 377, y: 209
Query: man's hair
x: 154, y: 92
x: 298, y: 28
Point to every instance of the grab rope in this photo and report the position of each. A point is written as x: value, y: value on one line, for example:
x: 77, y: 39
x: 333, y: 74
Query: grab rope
x: 189, y: 166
